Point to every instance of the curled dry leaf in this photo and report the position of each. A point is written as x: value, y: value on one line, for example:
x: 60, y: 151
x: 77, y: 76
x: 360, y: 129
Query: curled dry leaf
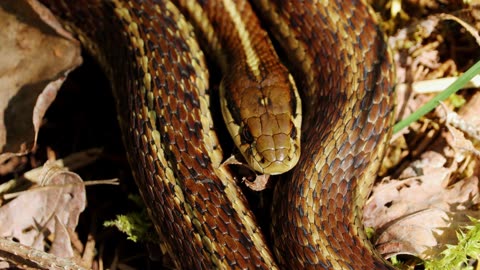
x: 33, y: 63
x: 249, y: 178
x: 259, y: 184
x: 51, y: 210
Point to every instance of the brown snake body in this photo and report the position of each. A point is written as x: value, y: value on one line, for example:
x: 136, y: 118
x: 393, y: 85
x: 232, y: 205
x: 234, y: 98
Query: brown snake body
x: 340, y: 62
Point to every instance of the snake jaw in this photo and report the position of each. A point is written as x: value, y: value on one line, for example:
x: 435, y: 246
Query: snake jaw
x: 278, y: 166
x: 271, y: 161
x: 276, y: 150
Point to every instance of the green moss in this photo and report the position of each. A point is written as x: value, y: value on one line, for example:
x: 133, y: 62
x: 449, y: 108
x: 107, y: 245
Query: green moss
x: 136, y: 225
x: 462, y: 255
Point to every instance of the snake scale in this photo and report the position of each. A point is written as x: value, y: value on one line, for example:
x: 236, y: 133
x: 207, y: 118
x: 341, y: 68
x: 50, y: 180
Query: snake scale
x: 340, y: 61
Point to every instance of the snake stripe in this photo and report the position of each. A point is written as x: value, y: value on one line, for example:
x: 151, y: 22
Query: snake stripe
x: 169, y: 131
x: 259, y: 99
x: 252, y: 59
x: 342, y: 66
x: 329, y: 187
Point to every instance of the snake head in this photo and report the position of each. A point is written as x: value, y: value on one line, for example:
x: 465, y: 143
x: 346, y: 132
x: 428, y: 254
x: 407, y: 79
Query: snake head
x: 264, y: 120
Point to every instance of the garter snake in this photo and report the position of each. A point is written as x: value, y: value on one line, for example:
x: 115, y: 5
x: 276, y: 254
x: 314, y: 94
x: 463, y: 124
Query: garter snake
x: 341, y: 64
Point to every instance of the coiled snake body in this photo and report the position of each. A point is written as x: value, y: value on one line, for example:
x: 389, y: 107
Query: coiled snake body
x: 343, y: 70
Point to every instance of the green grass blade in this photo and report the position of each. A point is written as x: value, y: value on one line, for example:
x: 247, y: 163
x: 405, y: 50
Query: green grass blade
x: 429, y: 106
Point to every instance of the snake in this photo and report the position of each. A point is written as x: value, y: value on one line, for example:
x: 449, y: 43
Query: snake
x: 334, y: 56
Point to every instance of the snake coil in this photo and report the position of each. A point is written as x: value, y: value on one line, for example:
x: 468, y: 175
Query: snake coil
x: 342, y: 66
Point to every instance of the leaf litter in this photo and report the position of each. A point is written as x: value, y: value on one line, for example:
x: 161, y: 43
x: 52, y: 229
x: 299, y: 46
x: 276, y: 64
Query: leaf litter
x: 430, y: 184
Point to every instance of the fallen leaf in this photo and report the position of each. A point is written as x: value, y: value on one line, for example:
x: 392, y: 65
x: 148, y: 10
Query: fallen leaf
x: 423, y: 233
x: 35, y: 60
x: 43, y: 211
x: 419, y: 215
x: 61, y: 245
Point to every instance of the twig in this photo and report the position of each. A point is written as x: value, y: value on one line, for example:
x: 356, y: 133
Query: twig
x: 22, y: 255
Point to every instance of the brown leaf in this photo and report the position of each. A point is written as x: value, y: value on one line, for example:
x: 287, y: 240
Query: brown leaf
x: 61, y: 245
x: 422, y: 233
x: 51, y: 209
x: 419, y: 214
x: 34, y: 61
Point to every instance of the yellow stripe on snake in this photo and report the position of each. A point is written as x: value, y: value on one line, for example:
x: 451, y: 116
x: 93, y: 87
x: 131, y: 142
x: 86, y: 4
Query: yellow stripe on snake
x: 341, y: 65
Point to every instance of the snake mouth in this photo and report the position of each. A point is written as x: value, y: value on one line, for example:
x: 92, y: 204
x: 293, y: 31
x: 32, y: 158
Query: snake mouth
x: 279, y: 167
x: 273, y: 161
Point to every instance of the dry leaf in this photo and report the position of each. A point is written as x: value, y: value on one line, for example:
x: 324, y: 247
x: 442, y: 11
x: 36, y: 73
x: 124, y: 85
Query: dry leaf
x: 34, y: 62
x: 61, y: 245
x: 49, y: 210
x: 423, y: 233
x: 419, y: 214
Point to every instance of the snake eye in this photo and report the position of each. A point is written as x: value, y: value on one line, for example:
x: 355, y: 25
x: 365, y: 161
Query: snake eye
x: 246, y: 135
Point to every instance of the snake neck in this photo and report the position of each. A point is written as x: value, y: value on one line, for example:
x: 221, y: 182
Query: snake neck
x: 157, y: 70
x: 340, y: 52
x: 259, y: 99
x: 230, y: 32
x: 162, y: 94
